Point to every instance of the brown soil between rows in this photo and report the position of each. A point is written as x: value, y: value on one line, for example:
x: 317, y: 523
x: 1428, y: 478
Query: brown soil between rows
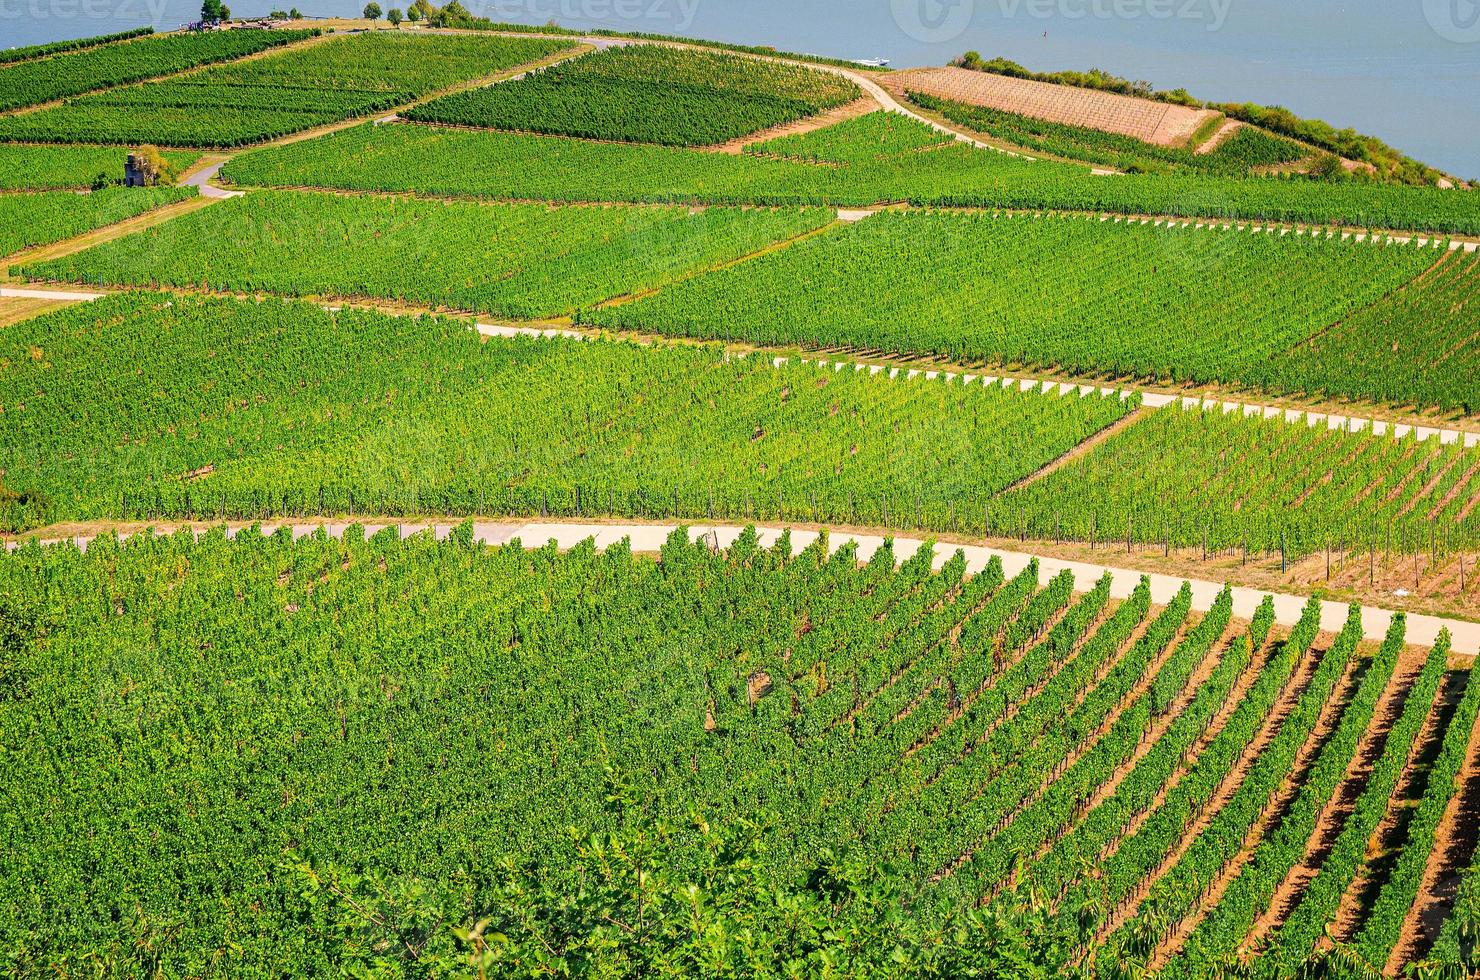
x: 1149, y: 737
x: 1221, y: 135
x: 1334, y: 816
x: 1142, y: 685
x: 1161, y: 123
x: 1391, y: 831
x: 1295, y: 687
x: 1154, y: 735
x: 1258, y: 662
x: 955, y: 716
x: 1072, y: 705
x: 1275, y: 812
x: 1454, y: 845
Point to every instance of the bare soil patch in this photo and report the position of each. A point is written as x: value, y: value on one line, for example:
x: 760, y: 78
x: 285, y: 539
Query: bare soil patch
x: 1160, y: 123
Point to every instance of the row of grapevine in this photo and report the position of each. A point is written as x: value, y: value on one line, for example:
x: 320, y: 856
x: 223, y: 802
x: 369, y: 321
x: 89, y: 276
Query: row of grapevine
x: 516, y: 260
x: 1416, y: 346
x: 870, y: 138
x: 1106, y: 824
x: 155, y: 404
x: 28, y: 220
x: 474, y: 163
x: 1220, y: 934
x: 994, y: 729
x: 264, y: 98
x: 1298, y: 935
x: 1075, y: 294
x: 1238, y: 156
x: 79, y: 44
x: 1060, y: 804
x: 906, y: 748
x: 28, y: 83
x: 1385, y: 919
x: 665, y: 636
x: 672, y: 433
x: 1141, y: 851
x: 224, y: 690
x: 647, y: 94
x: 971, y: 800
x: 1178, y: 892
x: 44, y: 168
x: 1230, y: 482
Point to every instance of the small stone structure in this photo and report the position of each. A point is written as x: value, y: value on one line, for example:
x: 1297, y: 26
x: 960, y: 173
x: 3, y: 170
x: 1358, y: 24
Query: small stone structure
x: 138, y: 171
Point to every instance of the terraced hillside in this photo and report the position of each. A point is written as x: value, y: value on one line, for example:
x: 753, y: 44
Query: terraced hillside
x: 1193, y: 699
x: 470, y: 163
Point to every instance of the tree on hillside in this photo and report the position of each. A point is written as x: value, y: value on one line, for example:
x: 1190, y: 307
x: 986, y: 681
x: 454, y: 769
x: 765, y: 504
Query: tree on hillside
x: 394, y: 16
x: 412, y: 14
x: 211, y: 10
x: 372, y: 11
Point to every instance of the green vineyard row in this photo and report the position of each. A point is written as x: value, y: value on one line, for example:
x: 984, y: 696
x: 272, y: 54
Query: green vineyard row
x: 647, y: 94
x: 44, y: 168
x: 235, y: 105
x: 470, y: 163
x: 28, y: 220
x: 514, y: 260
x: 428, y: 711
x: 432, y: 420
x: 28, y: 83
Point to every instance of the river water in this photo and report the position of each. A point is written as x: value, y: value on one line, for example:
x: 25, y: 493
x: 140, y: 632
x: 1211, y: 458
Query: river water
x: 1405, y: 70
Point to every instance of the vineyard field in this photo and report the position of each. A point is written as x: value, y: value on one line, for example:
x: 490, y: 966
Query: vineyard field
x: 516, y: 260
x: 59, y: 47
x: 533, y: 502
x: 28, y: 220
x: 1169, y: 304
x: 235, y: 105
x: 899, y: 712
x: 647, y: 94
x: 468, y: 163
x: 274, y: 416
x: 1189, y: 477
x: 1418, y: 346
x: 28, y: 83
x: 869, y: 138
x: 1240, y: 155
x: 660, y: 432
x: 40, y: 168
